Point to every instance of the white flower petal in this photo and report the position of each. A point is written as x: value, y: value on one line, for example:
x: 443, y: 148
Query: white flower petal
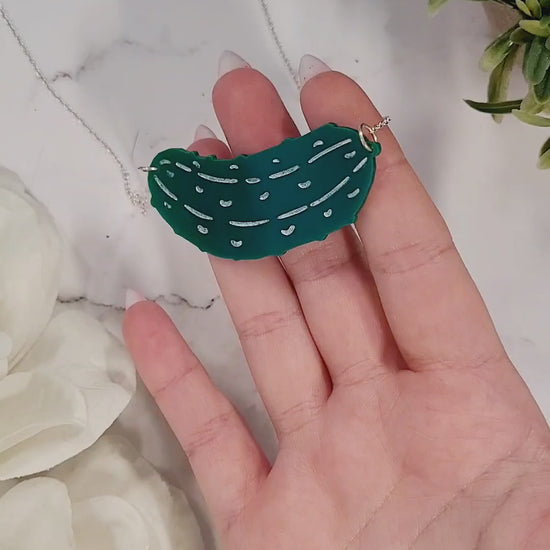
x: 3, y: 367
x: 30, y: 251
x: 6, y: 345
x: 31, y: 403
x: 113, y: 467
x: 109, y: 523
x: 77, y: 350
x: 36, y: 514
x: 5, y: 486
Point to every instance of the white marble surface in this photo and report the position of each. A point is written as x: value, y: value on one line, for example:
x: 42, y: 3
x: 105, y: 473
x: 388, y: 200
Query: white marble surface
x: 140, y: 73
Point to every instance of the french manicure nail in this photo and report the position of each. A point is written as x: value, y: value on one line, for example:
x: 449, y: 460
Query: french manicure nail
x: 230, y: 61
x: 311, y: 66
x: 133, y: 297
x: 204, y: 132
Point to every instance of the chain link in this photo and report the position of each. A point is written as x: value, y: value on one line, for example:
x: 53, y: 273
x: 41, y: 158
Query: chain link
x: 139, y: 200
x: 382, y: 124
x: 271, y: 26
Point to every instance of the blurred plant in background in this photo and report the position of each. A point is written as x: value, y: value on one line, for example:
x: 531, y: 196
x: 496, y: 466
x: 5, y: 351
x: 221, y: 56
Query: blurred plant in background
x: 530, y: 35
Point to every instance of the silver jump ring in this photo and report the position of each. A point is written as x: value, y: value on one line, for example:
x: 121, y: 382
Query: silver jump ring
x: 372, y: 130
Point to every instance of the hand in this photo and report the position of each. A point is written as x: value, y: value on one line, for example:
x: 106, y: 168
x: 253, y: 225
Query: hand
x: 401, y: 422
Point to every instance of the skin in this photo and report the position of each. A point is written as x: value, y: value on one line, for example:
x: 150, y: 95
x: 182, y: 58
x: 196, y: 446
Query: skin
x: 402, y: 423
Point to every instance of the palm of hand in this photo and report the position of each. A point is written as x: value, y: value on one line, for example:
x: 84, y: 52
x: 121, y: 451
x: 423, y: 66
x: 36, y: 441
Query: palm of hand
x: 401, y: 422
x: 423, y: 461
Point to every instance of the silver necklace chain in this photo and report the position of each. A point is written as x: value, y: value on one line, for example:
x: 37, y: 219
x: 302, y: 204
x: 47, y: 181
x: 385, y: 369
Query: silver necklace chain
x: 382, y: 124
x: 139, y: 200
x: 282, y: 52
x: 271, y: 26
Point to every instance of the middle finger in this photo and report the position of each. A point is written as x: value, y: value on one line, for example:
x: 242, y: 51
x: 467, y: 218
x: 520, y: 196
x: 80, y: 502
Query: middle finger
x: 331, y: 278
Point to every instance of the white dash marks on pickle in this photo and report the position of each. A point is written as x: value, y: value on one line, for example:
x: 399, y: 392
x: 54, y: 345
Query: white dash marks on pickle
x: 329, y: 150
x: 164, y: 188
x: 360, y: 165
x: 215, y: 179
x: 287, y: 232
x: 197, y: 213
x: 291, y: 213
x: 254, y: 223
x: 334, y: 190
x: 284, y: 173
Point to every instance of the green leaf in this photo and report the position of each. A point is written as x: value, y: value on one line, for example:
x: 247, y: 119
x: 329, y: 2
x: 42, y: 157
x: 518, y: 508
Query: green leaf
x: 544, y: 156
x: 523, y: 7
x: 536, y: 61
x: 534, y: 8
x: 520, y: 36
x: 542, y: 90
x: 535, y: 27
x: 501, y: 108
x: 499, y: 81
x: 497, y: 50
x: 435, y: 5
x: 533, y: 120
x: 530, y: 103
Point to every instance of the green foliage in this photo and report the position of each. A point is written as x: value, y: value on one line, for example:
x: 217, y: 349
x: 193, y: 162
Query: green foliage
x: 531, y: 35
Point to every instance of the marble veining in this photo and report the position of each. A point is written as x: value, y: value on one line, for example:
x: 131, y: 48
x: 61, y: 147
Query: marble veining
x: 95, y: 58
x: 142, y: 79
x: 173, y: 299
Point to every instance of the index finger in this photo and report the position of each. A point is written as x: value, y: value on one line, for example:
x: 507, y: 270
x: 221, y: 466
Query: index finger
x: 433, y: 307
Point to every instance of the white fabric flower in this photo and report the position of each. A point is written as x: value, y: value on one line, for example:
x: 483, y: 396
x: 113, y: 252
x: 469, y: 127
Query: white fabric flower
x: 36, y: 514
x: 64, y: 383
x: 5, y: 350
x: 58, y: 400
x: 107, y: 498
x: 111, y: 479
x: 30, y: 254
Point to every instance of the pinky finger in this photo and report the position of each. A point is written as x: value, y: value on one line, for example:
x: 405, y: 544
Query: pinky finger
x: 227, y: 461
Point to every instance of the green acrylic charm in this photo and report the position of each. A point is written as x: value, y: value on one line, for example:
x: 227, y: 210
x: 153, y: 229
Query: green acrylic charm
x: 265, y: 204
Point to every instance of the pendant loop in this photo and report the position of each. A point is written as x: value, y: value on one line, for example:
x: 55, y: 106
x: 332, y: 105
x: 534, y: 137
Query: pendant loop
x: 372, y: 130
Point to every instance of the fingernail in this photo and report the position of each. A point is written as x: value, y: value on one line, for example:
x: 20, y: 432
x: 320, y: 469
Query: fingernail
x: 204, y: 132
x: 133, y: 297
x: 311, y: 66
x: 230, y: 61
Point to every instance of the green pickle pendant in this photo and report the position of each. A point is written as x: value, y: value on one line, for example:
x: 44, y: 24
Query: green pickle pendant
x: 265, y: 204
